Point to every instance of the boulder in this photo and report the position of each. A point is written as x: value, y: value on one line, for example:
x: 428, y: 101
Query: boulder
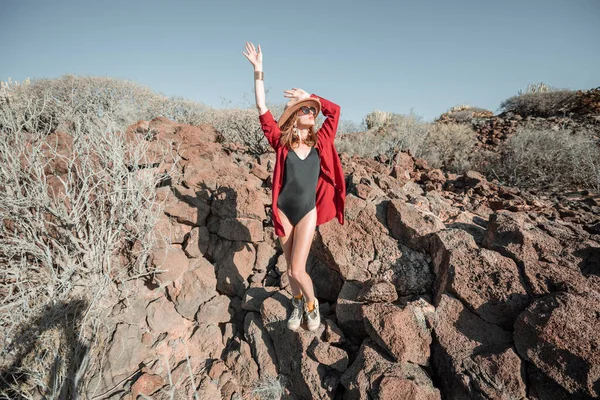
x: 558, y: 333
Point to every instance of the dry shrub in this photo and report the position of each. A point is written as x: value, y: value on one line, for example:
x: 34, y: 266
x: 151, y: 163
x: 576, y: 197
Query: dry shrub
x: 78, y: 207
x: 71, y: 100
x: 347, y: 126
x: 540, y: 104
x: 442, y: 145
x: 547, y: 159
x: 468, y: 115
x: 240, y: 125
x: 449, y: 146
x: 402, y: 132
x: 177, y: 109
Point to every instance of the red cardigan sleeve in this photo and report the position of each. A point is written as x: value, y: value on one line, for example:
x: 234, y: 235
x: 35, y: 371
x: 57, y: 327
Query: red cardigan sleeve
x: 331, y: 111
x: 270, y: 129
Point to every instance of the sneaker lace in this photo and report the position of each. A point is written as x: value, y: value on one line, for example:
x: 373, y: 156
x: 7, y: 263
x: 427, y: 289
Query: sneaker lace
x: 296, y: 313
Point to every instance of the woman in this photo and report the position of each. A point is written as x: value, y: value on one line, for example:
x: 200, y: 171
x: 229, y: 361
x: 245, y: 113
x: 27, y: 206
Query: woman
x: 308, y: 186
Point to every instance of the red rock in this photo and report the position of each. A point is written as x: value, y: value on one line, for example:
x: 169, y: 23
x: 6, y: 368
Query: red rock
x: 402, y: 332
x: 146, y: 385
x: 404, y: 161
x: 411, y: 225
x: 487, y: 282
x: 559, y: 334
x: 263, y: 351
x: 460, y: 335
x: 371, y: 375
x: 171, y: 262
x: 196, y: 287
x: 162, y: 316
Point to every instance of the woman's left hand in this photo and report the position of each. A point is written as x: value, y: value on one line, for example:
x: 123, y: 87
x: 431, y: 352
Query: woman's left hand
x: 296, y: 93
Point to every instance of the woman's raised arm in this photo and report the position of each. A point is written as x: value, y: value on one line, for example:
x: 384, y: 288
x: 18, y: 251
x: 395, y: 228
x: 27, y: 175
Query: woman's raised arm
x: 267, y: 122
x: 255, y: 58
x: 331, y: 111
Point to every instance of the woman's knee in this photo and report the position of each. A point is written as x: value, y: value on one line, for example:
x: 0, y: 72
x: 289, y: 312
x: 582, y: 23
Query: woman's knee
x: 296, y: 272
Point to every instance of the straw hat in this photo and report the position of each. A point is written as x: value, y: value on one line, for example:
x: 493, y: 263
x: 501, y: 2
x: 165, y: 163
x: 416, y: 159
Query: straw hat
x: 294, y: 105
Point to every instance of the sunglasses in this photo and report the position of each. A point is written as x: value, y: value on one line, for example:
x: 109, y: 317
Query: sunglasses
x: 305, y: 110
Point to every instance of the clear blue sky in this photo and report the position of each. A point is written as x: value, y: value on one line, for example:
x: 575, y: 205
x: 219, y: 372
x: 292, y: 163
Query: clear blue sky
x: 364, y: 55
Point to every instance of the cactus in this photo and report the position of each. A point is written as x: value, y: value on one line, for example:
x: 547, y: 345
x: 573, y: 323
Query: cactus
x: 378, y: 119
x: 537, y: 88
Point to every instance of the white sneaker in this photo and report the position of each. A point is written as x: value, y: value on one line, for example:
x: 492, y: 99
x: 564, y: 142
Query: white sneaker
x: 313, y: 318
x: 295, y: 319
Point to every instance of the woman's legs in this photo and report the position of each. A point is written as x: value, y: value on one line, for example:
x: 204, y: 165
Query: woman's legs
x: 303, y: 236
x: 286, y: 244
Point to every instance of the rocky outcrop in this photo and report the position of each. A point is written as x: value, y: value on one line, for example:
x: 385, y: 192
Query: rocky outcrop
x: 437, y: 286
x: 577, y: 112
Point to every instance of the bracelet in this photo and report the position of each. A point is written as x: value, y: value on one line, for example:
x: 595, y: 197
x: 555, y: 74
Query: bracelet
x: 258, y: 75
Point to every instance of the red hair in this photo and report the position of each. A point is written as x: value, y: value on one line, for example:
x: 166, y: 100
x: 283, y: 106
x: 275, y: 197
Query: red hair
x: 290, y: 140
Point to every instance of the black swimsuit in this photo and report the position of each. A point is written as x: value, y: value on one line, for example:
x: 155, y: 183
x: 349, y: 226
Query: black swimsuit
x: 299, y: 191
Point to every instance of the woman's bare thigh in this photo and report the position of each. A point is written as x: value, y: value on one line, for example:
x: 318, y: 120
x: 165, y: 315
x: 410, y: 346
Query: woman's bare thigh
x: 286, y: 241
x: 304, y: 233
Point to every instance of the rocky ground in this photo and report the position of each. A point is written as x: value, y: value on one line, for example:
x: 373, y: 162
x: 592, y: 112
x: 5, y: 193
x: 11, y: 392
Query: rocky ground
x: 438, y: 286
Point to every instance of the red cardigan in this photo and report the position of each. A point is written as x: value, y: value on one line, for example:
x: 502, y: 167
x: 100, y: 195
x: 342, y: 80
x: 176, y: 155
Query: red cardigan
x: 331, y: 186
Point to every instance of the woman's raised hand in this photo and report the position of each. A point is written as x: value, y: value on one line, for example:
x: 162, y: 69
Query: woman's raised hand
x: 296, y: 93
x: 255, y: 57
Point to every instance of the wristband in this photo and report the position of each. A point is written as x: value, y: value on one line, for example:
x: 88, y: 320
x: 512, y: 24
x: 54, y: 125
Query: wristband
x: 258, y: 75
